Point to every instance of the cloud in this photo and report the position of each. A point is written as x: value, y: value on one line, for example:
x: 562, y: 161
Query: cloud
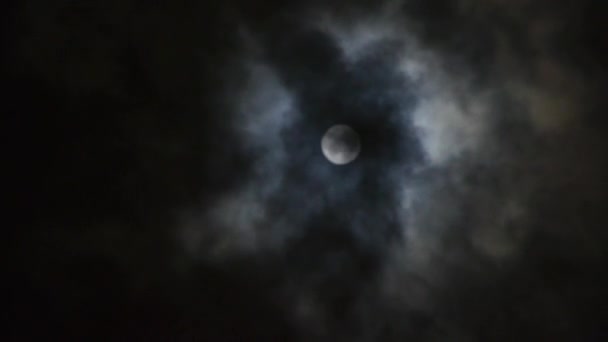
x: 484, y: 113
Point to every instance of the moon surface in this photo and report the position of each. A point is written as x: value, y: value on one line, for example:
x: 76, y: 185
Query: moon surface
x: 340, y: 144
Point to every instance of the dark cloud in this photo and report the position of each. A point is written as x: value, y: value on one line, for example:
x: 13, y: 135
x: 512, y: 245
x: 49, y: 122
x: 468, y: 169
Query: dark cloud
x: 167, y: 159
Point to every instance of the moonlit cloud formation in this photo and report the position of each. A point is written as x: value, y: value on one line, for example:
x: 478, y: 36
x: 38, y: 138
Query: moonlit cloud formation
x: 168, y: 181
x: 486, y: 133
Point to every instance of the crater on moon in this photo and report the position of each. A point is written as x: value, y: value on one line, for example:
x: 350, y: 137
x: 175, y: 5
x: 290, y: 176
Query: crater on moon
x: 340, y: 144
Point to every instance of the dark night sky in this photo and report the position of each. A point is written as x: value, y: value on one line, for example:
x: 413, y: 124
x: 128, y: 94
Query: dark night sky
x: 166, y: 181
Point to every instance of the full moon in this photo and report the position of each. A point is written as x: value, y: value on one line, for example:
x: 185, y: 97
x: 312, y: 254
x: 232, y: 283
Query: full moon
x: 340, y: 144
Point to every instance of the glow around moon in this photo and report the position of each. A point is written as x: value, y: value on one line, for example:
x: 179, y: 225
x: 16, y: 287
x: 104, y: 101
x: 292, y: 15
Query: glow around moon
x: 340, y: 145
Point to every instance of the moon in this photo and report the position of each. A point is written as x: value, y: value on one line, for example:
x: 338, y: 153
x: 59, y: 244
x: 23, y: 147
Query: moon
x: 340, y: 144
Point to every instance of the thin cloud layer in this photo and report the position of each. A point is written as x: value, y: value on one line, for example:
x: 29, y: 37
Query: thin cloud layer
x: 467, y: 207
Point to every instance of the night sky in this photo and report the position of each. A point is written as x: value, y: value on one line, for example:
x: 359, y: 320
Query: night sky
x: 166, y: 180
